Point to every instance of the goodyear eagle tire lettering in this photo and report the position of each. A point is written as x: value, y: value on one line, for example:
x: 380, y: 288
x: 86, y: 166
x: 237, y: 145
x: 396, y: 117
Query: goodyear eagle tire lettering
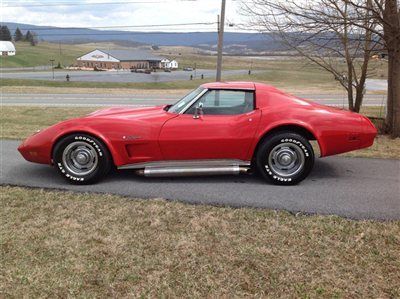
x: 285, y: 158
x: 81, y: 159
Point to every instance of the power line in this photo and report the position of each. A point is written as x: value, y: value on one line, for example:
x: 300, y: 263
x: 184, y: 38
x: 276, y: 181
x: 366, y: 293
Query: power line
x: 119, y: 26
x: 116, y: 33
x: 89, y: 3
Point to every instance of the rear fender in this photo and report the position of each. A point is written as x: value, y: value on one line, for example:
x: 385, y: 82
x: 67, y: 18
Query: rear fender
x: 292, y: 125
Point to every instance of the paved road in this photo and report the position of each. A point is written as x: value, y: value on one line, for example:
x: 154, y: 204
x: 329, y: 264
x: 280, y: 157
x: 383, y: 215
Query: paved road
x: 139, y: 100
x: 118, y: 76
x: 27, y: 68
x: 350, y: 187
x: 376, y: 84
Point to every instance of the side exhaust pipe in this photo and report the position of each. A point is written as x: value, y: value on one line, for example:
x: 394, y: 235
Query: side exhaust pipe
x: 191, y: 171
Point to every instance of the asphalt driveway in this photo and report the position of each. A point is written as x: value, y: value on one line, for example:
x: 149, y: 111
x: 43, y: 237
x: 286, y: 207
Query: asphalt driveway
x: 350, y: 187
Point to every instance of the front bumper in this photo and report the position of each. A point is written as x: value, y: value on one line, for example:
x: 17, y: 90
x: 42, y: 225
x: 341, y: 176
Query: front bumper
x: 33, y: 152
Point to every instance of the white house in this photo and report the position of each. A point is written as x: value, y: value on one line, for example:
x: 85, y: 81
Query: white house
x: 173, y: 64
x: 169, y: 64
x: 7, y: 48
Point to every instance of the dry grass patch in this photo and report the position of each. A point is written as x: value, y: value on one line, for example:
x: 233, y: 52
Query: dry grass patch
x: 57, y: 244
x: 383, y: 147
x: 68, y: 90
x: 18, y: 122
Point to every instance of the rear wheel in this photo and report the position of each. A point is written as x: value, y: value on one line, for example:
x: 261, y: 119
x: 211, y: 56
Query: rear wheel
x: 285, y: 158
x: 81, y: 159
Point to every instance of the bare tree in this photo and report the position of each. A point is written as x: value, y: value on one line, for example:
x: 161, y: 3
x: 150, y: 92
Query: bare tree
x: 387, y: 14
x: 323, y: 32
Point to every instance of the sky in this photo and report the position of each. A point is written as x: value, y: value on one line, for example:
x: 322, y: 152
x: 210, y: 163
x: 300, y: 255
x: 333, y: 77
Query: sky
x: 122, y: 13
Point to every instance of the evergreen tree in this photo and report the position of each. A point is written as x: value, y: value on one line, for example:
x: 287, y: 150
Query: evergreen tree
x: 18, y: 35
x: 34, y: 39
x: 28, y: 36
x: 31, y: 37
x: 5, y: 33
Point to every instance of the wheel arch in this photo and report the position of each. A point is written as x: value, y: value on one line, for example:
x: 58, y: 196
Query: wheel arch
x: 296, y: 128
x: 107, y: 144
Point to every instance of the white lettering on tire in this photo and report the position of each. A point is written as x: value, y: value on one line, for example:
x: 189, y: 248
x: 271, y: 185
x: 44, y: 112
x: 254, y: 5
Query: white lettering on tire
x: 290, y: 140
x: 92, y: 142
x: 71, y: 177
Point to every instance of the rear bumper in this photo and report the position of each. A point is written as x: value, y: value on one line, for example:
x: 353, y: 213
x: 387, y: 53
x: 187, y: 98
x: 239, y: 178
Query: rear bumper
x: 361, y: 135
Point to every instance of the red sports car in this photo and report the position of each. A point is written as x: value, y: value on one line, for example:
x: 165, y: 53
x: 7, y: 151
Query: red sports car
x: 218, y: 128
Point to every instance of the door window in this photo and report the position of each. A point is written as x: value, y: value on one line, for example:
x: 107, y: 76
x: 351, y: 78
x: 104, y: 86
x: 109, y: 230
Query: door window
x: 224, y: 102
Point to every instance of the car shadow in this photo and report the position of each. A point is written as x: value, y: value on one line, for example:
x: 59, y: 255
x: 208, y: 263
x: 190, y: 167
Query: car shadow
x: 322, y: 169
x: 37, y: 174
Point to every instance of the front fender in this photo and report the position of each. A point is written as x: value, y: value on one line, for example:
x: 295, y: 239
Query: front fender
x: 117, y: 159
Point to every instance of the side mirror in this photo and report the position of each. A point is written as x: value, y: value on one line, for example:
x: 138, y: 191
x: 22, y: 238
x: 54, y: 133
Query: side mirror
x: 198, y: 111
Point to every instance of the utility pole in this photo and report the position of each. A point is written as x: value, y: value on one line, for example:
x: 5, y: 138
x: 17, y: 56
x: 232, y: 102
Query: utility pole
x: 52, y: 66
x: 221, y: 24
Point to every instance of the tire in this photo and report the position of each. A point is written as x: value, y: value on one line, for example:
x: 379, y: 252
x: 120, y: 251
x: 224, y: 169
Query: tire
x: 82, y: 159
x: 285, y: 158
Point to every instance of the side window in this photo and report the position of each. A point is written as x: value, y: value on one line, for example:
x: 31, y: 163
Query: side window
x: 225, y: 102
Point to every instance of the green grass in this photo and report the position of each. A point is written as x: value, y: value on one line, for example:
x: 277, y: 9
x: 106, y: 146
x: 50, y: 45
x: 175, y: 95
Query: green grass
x: 60, y: 244
x: 29, y: 56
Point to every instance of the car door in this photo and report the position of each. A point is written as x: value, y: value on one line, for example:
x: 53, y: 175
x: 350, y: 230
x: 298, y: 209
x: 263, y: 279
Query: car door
x: 224, y: 130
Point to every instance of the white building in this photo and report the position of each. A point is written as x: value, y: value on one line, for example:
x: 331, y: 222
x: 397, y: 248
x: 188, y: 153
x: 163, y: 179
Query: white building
x: 173, y: 64
x: 119, y: 59
x: 7, y: 48
x: 169, y: 64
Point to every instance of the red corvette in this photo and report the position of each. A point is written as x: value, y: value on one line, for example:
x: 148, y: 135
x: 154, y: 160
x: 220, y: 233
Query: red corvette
x: 219, y: 128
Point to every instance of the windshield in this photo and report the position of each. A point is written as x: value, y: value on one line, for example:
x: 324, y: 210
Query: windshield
x: 178, y: 106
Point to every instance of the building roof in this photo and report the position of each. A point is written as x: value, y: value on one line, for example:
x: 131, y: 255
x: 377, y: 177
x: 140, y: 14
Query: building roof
x: 6, y: 46
x: 131, y: 55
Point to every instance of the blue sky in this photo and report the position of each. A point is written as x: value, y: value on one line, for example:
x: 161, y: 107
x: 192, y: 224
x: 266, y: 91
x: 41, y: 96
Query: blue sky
x: 162, y: 12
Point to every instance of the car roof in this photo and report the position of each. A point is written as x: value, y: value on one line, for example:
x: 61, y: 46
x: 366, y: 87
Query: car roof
x: 240, y: 85
x: 230, y: 85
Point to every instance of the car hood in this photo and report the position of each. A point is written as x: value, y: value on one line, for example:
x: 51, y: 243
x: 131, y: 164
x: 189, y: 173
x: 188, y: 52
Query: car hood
x: 128, y: 113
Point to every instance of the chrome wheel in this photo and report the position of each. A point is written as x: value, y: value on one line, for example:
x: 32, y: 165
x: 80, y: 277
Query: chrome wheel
x: 286, y: 159
x: 80, y: 158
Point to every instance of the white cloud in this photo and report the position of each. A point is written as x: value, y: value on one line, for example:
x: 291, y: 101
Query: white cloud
x: 170, y: 12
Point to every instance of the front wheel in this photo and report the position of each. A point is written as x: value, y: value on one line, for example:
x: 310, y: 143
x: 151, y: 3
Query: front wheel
x: 81, y: 159
x: 285, y: 158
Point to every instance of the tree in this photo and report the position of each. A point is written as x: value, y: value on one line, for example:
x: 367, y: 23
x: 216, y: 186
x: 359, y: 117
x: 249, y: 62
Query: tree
x: 31, y: 37
x: 28, y: 36
x: 322, y: 32
x: 34, y: 39
x: 18, y: 35
x: 5, y: 33
x: 387, y: 14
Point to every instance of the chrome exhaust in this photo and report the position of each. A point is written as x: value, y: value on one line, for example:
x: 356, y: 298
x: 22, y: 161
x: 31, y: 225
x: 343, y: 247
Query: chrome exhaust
x: 191, y: 171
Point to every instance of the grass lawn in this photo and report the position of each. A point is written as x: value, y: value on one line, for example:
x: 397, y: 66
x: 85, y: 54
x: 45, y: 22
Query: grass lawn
x: 29, y: 56
x: 286, y: 76
x: 39, y: 55
x: 292, y: 74
x: 19, y: 122
x: 288, y: 73
x: 58, y: 244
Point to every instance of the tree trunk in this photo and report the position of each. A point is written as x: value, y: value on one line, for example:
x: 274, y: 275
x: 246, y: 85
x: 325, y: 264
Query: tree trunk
x: 359, y: 98
x: 393, y: 101
x: 391, y: 31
